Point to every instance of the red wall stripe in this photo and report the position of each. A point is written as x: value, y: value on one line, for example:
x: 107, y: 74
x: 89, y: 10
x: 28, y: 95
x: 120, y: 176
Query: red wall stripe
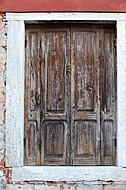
x: 63, y: 5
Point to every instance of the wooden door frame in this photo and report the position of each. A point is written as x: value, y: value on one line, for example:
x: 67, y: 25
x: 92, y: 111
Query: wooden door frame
x: 15, y: 102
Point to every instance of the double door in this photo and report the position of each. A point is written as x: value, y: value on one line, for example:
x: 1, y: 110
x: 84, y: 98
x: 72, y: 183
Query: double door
x: 70, y: 94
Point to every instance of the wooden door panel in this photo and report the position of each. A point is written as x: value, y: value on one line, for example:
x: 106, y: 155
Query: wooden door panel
x: 55, y: 57
x: 32, y: 138
x: 54, y: 139
x: 47, y: 95
x: 107, y: 57
x: 84, y: 93
x: 56, y: 87
x: 85, y: 143
x: 33, y: 93
x: 54, y: 143
x: 108, y: 145
x: 84, y: 46
x: 33, y: 88
x: 70, y: 94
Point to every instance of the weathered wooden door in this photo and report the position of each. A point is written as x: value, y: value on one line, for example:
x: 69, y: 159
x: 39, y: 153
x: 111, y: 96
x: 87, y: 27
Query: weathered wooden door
x: 70, y: 95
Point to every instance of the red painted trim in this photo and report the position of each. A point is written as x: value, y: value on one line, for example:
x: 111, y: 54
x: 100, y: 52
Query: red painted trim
x: 63, y: 5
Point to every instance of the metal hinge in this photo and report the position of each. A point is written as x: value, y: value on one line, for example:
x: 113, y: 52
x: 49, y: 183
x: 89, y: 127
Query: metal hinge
x: 72, y: 161
x: 24, y: 140
x: 115, y: 143
x: 40, y: 44
x: 115, y: 43
x: 25, y: 43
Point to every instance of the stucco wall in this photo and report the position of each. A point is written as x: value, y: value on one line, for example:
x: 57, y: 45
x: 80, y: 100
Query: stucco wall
x: 5, y: 173
x: 64, y: 5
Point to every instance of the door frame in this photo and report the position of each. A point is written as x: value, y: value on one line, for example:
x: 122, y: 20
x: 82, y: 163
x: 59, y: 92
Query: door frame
x: 15, y: 102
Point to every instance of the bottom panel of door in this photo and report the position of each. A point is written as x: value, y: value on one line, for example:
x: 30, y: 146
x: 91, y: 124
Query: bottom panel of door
x: 54, y: 143
x: 86, y: 144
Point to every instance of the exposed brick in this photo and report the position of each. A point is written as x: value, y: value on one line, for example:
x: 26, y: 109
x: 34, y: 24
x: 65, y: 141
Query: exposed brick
x: 2, y: 95
x: 8, y: 176
x: 1, y: 16
x: 67, y: 186
x: 2, y: 51
x: 2, y: 183
x: 2, y: 117
x: 2, y: 24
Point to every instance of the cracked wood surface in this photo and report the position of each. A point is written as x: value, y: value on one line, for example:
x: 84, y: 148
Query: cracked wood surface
x: 70, y: 95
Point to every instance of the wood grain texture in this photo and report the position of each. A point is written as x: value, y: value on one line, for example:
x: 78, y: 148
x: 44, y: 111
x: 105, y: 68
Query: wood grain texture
x: 70, y: 96
x: 84, y: 46
x: 47, y: 94
x: 33, y: 97
x: 86, y: 151
x: 107, y: 47
x: 55, y: 52
x: 85, y: 139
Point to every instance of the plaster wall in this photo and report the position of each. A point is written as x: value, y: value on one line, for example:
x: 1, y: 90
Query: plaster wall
x: 6, y: 182
x: 62, y: 6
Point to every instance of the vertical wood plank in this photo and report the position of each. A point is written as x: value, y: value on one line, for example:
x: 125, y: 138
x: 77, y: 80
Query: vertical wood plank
x: 55, y: 50
x: 107, y: 58
x: 55, y: 61
x: 33, y: 96
x: 105, y: 89
x: 84, y: 94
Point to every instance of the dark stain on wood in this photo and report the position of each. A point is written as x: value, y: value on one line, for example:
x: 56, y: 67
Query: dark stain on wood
x: 70, y: 94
